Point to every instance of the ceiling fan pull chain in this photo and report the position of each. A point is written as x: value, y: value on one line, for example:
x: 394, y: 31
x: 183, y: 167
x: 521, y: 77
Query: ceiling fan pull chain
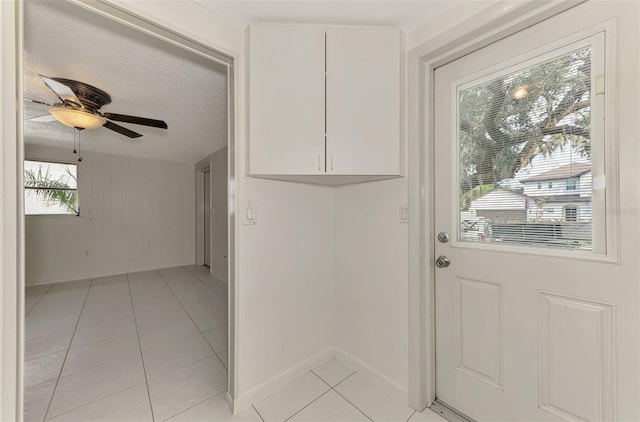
x: 79, y: 153
x: 75, y: 140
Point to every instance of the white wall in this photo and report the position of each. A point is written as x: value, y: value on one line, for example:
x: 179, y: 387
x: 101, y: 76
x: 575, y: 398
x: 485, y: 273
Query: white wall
x: 456, y: 14
x: 371, y: 291
x: 286, y: 278
x: 142, y: 217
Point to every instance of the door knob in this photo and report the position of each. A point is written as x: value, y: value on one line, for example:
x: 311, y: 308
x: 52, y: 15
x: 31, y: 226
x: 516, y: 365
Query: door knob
x: 442, y: 261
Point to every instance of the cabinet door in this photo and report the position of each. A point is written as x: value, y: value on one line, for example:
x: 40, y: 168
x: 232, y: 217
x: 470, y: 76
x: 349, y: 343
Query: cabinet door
x: 286, y: 100
x: 363, y: 101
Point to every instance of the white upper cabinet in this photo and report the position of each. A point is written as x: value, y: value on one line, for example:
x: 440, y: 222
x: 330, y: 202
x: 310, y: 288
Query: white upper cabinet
x: 363, y: 101
x: 286, y: 100
x: 337, y: 127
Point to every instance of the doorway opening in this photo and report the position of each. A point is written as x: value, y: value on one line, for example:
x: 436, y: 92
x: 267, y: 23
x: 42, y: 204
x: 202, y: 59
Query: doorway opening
x: 118, y: 308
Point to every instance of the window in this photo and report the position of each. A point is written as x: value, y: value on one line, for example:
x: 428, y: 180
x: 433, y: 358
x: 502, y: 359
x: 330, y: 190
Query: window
x: 539, y: 112
x: 50, y: 188
x: 571, y: 213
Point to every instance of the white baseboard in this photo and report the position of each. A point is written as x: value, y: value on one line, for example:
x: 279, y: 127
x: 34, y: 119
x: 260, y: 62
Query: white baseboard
x: 371, y: 373
x: 274, y: 384
x: 229, y: 400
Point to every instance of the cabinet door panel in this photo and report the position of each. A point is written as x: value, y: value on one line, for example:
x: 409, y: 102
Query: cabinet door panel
x: 286, y: 100
x: 363, y: 101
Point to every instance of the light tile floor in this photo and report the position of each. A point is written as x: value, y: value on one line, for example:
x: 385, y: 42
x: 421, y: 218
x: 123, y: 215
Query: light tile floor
x: 152, y: 346
x: 144, y: 346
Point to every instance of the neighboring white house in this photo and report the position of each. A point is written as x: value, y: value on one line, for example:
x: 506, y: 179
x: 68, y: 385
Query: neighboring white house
x: 560, y: 194
x: 500, y: 206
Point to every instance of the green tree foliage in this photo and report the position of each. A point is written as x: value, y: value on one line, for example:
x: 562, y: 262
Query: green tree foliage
x: 54, y: 191
x: 508, y: 121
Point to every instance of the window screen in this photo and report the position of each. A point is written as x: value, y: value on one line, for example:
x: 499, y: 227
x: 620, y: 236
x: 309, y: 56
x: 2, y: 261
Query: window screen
x: 50, y: 188
x: 524, y: 155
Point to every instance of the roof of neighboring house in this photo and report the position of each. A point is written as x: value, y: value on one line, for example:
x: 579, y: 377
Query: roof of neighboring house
x: 499, y: 199
x: 562, y: 172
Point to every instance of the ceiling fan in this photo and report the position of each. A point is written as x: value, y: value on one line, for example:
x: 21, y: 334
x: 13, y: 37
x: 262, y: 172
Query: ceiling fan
x: 79, y: 108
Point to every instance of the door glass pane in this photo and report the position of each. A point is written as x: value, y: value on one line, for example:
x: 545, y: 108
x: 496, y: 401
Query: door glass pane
x: 524, y: 155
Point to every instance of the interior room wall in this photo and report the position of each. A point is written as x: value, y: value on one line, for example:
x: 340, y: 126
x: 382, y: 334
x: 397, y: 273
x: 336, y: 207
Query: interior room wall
x: 286, y: 277
x: 371, y: 289
x: 135, y: 214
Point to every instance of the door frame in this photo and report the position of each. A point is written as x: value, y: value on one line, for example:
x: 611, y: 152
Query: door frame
x: 202, y: 168
x: 499, y: 21
x: 12, y: 262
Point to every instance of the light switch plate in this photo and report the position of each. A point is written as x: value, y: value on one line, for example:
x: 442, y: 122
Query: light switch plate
x: 249, y: 214
x: 404, y: 214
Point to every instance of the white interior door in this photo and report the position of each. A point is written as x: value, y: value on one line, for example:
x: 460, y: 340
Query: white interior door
x: 537, y: 313
x: 207, y: 218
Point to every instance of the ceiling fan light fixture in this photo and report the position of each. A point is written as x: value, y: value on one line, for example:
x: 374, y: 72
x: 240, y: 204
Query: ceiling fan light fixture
x: 77, y: 118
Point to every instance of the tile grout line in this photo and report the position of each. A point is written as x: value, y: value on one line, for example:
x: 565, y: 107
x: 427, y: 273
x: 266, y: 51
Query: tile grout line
x: 256, y: 410
x: 205, y: 284
x: 38, y: 301
x: 181, y: 367
x: 321, y: 379
x: 334, y: 389
x: 345, y: 378
x: 144, y: 369
x: 191, y: 407
x: 55, y: 387
x: 213, y: 348
x: 412, y: 415
x: 97, y: 400
x: 194, y: 323
x: 310, y: 403
x: 348, y: 401
x: 44, y: 356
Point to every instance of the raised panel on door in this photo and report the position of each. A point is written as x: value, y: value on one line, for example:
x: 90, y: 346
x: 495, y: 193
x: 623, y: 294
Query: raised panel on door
x: 363, y: 101
x: 286, y: 100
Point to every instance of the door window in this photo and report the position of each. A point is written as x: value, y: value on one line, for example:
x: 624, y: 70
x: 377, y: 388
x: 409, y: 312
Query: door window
x: 524, y: 146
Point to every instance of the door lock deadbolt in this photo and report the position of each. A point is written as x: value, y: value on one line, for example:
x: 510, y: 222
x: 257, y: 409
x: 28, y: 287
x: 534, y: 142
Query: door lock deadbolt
x: 443, y: 237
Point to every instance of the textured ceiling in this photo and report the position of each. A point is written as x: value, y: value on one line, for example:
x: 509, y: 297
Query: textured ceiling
x: 406, y: 14
x: 144, y: 76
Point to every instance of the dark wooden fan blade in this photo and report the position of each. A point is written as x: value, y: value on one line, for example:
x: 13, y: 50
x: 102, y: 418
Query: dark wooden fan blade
x: 137, y: 120
x: 122, y: 130
x: 62, y: 91
x: 39, y: 102
x: 42, y: 119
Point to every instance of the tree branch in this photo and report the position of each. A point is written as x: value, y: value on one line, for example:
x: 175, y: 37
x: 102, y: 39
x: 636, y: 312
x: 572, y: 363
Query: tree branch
x: 567, y: 130
x: 497, y: 100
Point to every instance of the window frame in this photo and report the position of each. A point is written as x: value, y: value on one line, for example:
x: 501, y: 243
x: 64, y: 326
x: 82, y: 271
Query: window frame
x: 602, y: 39
x: 77, y: 189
